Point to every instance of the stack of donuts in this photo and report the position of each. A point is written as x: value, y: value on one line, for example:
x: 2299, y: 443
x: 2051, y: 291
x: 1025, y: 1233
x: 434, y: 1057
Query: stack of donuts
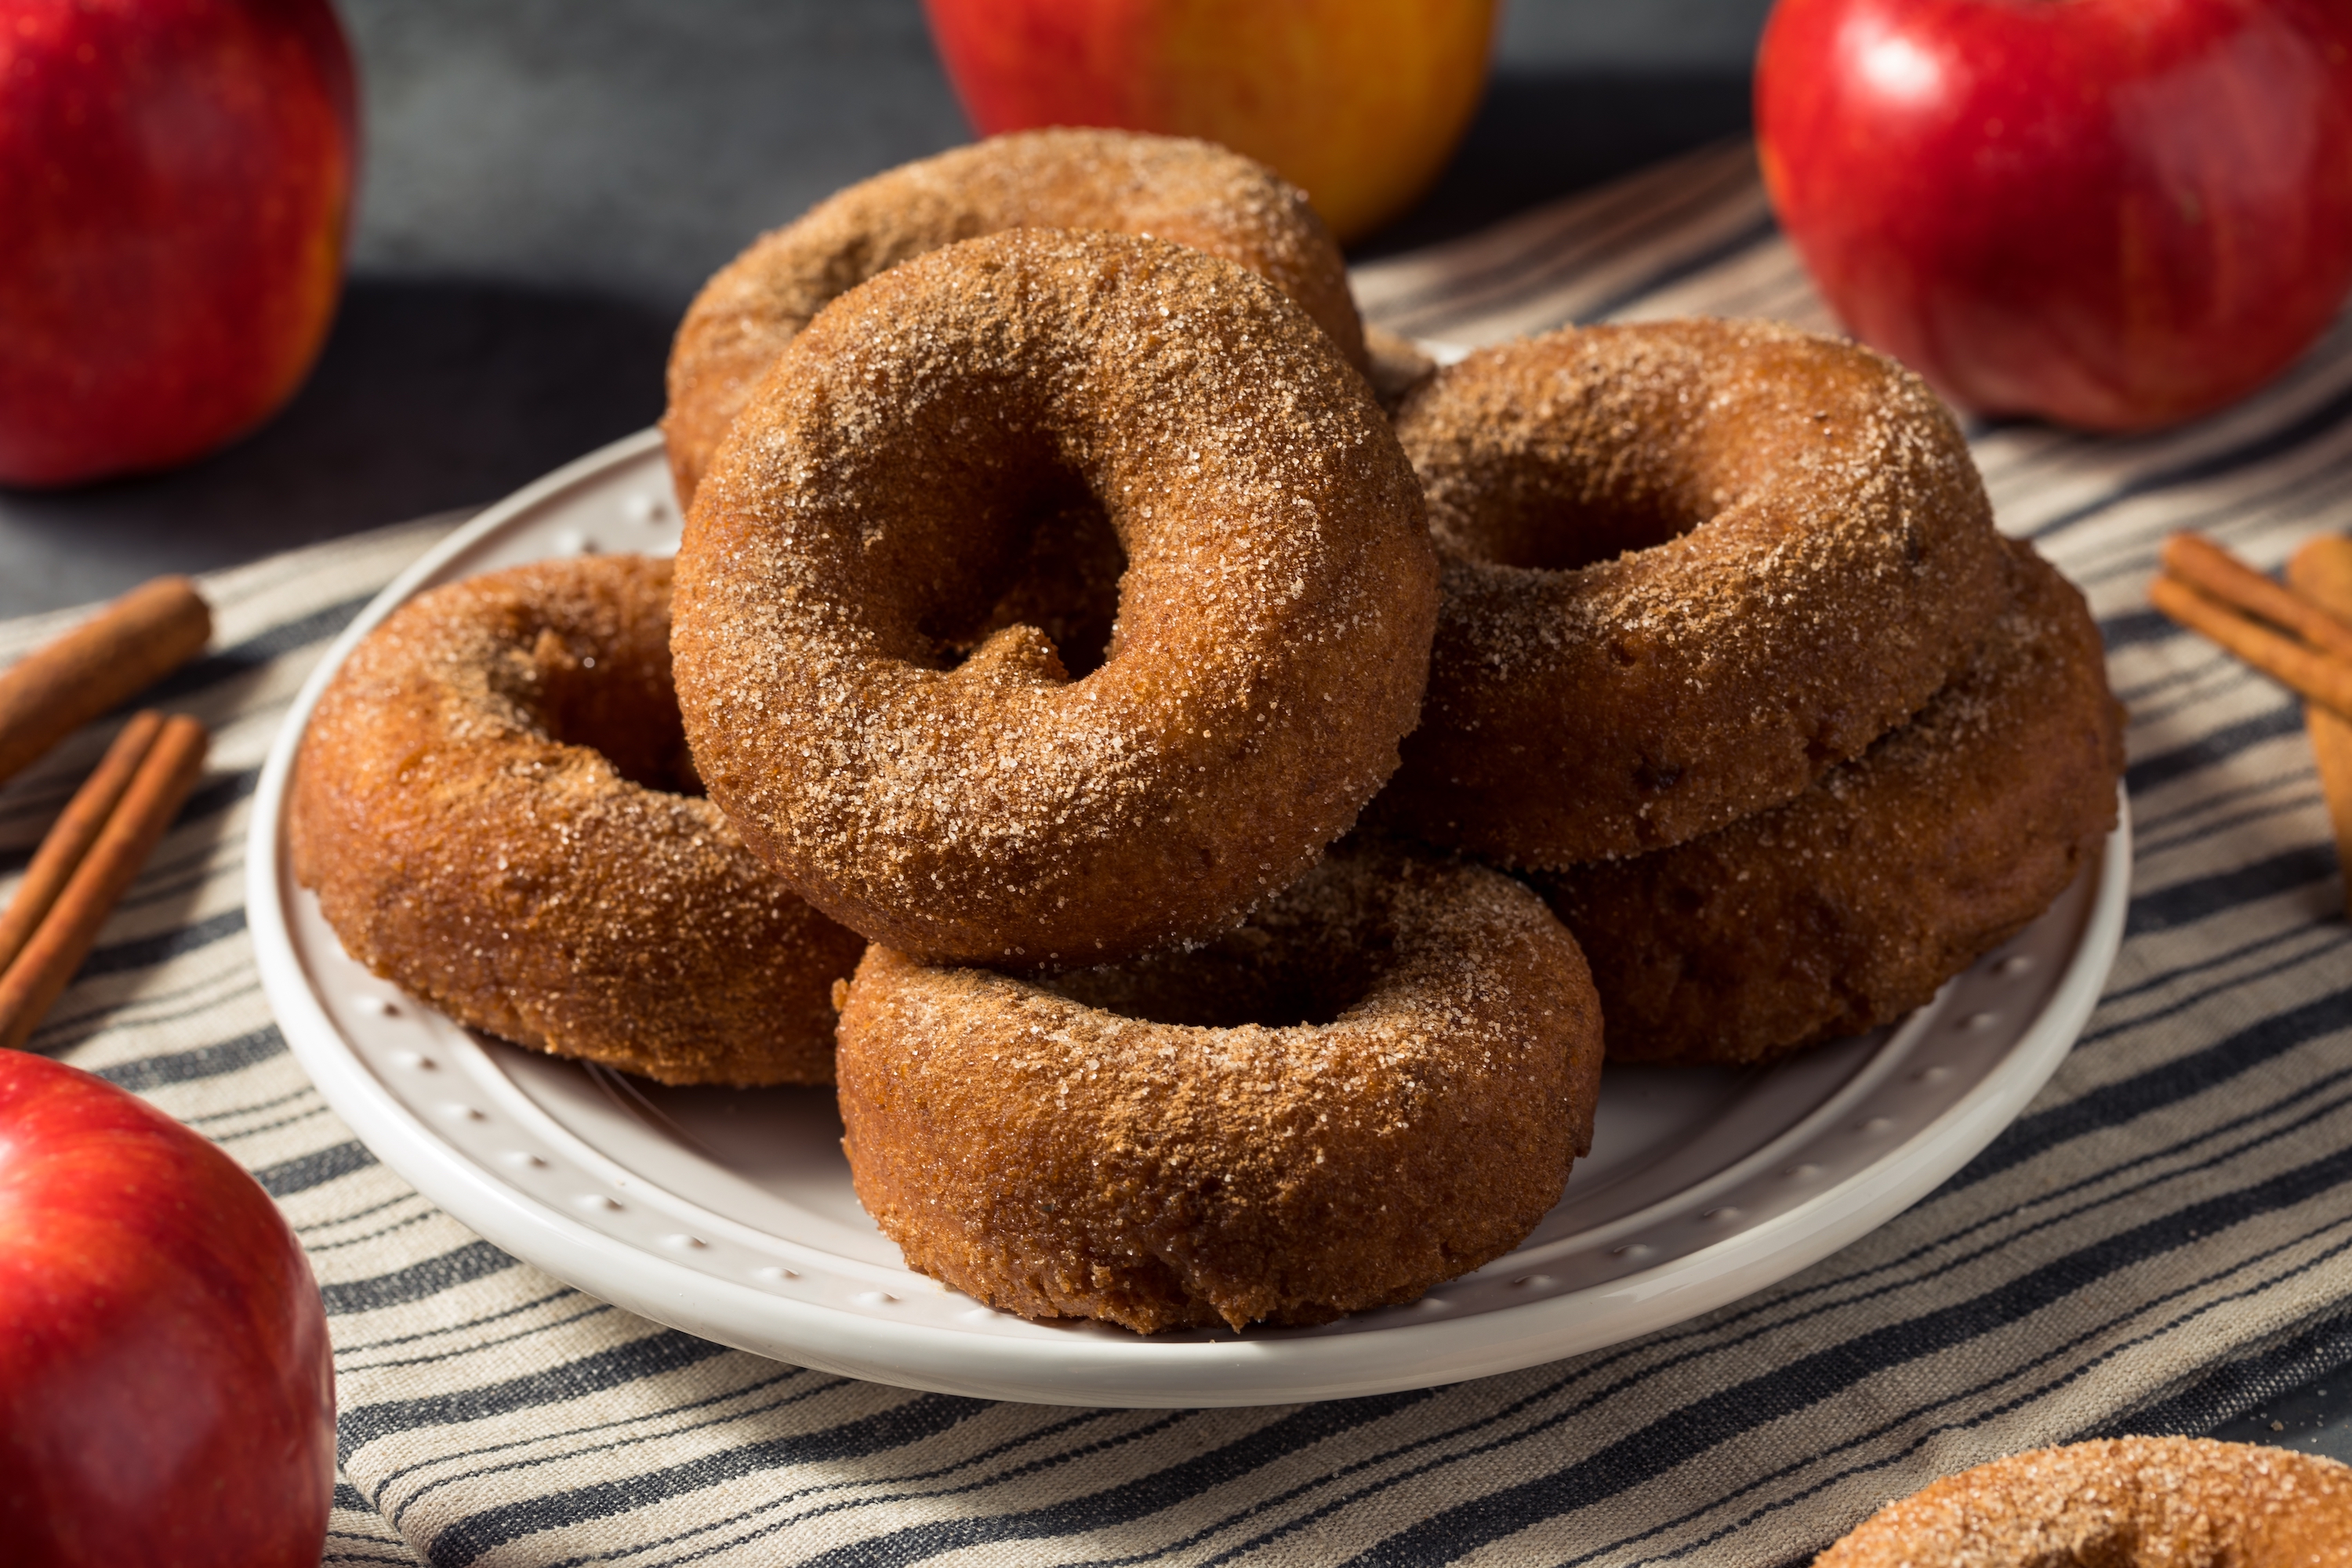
x: 1731, y: 664
x: 1183, y: 772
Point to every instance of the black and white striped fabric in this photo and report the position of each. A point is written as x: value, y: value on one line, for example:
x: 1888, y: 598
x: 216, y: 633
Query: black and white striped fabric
x: 2162, y: 1239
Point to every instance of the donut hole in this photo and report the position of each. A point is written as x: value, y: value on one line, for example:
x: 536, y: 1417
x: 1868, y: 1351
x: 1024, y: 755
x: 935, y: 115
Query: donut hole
x: 1046, y: 556
x: 1272, y: 978
x: 619, y: 702
x: 1067, y: 585
x: 1557, y: 516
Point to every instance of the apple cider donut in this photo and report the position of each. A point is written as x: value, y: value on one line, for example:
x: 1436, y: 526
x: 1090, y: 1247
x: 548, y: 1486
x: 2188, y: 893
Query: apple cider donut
x: 861, y: 522
x: 1686, y: 566
x: 1852, y: 904
x: 495, y: 804
x: 1377, y: 1084
x: 2124, y: 1503
x: 1191, y: 193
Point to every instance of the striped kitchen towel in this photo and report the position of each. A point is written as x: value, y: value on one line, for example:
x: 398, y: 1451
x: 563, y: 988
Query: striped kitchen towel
x: 2163, y: 1237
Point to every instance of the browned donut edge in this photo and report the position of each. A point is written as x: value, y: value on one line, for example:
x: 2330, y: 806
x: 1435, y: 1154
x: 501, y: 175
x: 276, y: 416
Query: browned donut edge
x: 1852, y: 904
x: 1056, y: 1159
x: 1835, y: 559
x: 523, y: 885
x: 2123, y: 1502
x: 1188, y: 192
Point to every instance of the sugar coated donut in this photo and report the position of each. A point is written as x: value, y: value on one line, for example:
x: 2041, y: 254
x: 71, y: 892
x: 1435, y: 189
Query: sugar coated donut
x: 2126, y: 1503
x: 488, y: 801
x: 1193, y: 192
x: 1850, y: 905
x: 1376, y: 1085
x: 1687, y: 566
x: 1272, y: 615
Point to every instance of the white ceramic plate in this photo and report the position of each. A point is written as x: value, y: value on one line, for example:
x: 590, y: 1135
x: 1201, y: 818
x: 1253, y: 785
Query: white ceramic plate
x: 728, y: 1213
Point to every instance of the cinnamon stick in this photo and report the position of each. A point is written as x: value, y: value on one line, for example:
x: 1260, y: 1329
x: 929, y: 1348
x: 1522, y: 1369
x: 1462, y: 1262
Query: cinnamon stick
x: 75, y: 830
x: 2206, y: 566
x: 2322, y: 571
x: 115, y: 655
x: 2317, y: 676
x: 63, y: 939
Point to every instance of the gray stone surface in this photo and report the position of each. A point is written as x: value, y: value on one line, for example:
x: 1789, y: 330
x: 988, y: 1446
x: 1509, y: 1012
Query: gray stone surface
x: 1658, y: 35
x: 631, y: 146
x: 2314, y: 1419
x: 628, y: 146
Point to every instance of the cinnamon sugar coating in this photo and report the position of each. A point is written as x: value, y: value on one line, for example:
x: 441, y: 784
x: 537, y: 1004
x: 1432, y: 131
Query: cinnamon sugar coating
x: 1376, y: 1085
x: 1686, y: 566
x: 1852, y: 904
x: 487, y: 803
x: 2124, y: 1503
x: 888, y: 486
x: 1191, y: 193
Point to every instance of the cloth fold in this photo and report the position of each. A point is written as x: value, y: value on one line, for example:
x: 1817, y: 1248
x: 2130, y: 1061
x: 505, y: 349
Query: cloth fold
x: 2158, y: 1241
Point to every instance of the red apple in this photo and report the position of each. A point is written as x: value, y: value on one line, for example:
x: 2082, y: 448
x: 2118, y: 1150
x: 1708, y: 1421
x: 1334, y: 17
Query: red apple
x: 166, y: 1392
x: 2118, y: 214
x: 176, y: 184
x: 1358, y: 102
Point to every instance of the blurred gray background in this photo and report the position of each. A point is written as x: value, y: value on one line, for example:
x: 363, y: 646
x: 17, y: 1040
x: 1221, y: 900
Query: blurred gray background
x: 631, y: 146
x: 548, y: 180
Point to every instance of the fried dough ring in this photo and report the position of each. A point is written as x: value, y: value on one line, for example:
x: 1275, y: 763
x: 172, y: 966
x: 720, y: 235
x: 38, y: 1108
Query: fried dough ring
x: 2124, y: 1503
x: 1376, y: 1085
x: 1191, y: 193
x: 1686, y: 566
x: 486, y: 801
x: 1852, y: 904
x: 1274, y: 615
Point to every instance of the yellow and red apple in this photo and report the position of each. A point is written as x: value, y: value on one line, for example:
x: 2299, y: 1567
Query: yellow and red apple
x: 1359, y: 102
x: 176, y: 185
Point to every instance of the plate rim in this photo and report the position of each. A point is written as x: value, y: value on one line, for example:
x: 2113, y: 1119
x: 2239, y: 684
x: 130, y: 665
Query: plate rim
x: 1122, y: 1372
